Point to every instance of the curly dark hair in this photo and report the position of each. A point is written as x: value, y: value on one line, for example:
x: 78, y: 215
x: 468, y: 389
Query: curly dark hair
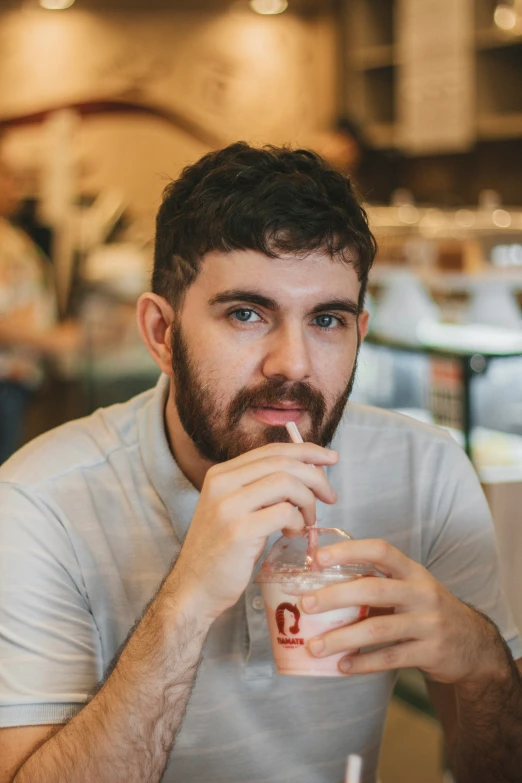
x: 273, y: 200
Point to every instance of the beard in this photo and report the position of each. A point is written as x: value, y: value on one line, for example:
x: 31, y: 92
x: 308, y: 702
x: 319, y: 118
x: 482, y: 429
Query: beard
x: 216, y: 431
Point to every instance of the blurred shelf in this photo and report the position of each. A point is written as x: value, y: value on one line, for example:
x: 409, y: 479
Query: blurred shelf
x: 492, y: 127
x: 450, y: 282
x: 373, y: 22
x: 369, y: 57
x: 382, y: 135
x: 498, y: 91
x: 370, y: 74
x: 375, y: 85
x: 380, y: 94
x: 493, y: 38
x: 450, y: 224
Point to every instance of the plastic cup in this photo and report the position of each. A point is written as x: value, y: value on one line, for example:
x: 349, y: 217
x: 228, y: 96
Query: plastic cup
x: 285, y: 576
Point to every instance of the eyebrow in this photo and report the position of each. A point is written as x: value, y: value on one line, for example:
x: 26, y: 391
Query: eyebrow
x: 339, y: 304
x: 253, y: 297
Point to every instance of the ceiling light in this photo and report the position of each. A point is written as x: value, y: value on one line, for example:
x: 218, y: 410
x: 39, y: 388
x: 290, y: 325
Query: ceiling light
x: 501, y: 218
x: 56, y: 5
x: 465, y: 218
x: 408, y: 214
x: 267, y: 7
x: 505, y: 16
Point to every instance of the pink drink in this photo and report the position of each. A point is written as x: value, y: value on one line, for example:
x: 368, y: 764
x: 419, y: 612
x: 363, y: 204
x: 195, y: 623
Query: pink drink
x: 291, y: 628
x: 284, y: 578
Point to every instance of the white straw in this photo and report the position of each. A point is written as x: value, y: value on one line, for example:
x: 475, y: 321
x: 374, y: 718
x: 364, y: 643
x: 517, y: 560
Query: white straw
x: 353, y: 769
x: 311, y: 551
x: 294, y: 433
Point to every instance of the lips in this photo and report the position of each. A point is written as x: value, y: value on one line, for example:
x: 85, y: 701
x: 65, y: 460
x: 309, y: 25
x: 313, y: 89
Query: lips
x: 278, y: 416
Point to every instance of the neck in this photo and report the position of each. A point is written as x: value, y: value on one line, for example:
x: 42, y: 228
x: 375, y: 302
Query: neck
x: 188, y: 458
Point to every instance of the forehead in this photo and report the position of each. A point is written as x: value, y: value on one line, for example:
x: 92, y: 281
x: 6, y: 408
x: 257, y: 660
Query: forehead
x: 287, y: 279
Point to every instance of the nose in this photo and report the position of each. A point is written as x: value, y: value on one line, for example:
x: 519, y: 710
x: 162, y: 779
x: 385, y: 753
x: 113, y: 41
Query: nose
x: 287, y: 355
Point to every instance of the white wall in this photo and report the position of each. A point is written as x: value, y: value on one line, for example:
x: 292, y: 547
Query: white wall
x: 240, y: 75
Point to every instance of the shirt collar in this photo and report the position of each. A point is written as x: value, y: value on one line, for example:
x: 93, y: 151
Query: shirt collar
x: 177, y: 493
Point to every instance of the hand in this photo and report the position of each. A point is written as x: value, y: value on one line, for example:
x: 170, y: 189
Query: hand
x: 429, y: 628
x: 242, y: 502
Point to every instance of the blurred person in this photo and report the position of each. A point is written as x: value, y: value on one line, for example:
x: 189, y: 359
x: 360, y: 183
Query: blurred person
x: 28, y: 329
x: 133, y: 643
x: 345, y: 147
x: 27, y: 219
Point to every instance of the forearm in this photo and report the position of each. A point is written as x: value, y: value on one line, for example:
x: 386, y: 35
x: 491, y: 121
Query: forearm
x: 127, y: 730
x: 487, y: 743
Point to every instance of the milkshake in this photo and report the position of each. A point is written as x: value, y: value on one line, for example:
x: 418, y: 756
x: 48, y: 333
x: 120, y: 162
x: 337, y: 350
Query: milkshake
x: 287, y: 575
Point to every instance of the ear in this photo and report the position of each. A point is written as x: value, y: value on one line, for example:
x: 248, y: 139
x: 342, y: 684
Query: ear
x: 363, y: 322
x: 155, y: 316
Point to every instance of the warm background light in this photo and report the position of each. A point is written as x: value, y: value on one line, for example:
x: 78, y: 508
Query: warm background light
x: 56, y: 5
x: 241, y: 75
x: 269, y: 6
x: 505, y: 16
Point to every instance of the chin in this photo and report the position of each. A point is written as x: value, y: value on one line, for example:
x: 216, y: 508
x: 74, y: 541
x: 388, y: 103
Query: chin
x: 251, y: 438
x: 274, y: 434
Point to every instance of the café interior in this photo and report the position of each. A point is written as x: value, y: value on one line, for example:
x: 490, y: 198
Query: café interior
x: 103, y: 102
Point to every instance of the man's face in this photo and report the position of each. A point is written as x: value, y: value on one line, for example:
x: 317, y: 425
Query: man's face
x: 260, y: 342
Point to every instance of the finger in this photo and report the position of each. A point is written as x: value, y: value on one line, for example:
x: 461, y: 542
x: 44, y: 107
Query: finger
x: 397, y: 656
x: 272, y: 489
x: 280, y: 517
x: 376, y: 630
x: 310, y: 453
x: 372, y: 551
x: 221, y: 485
x: 362, y: 591
x: 378, y: 611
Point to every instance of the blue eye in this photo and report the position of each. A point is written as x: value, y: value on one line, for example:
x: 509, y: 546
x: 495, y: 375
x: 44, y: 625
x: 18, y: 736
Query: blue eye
x: 327, y: 321
x: 244, y: 315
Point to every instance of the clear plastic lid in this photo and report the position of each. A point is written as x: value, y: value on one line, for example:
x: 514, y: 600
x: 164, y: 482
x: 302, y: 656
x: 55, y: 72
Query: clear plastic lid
x: 290, y: 557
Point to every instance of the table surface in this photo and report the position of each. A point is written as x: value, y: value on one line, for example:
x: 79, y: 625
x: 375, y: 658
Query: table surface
x: 458, y: 341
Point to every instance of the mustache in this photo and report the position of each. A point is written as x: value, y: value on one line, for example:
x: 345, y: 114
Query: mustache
x: 271, y: 392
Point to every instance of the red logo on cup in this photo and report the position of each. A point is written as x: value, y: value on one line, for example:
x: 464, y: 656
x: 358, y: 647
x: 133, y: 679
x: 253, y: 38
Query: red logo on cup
x: 280, y: 618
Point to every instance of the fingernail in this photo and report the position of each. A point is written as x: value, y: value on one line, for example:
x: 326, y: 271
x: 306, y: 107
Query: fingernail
x: 331, y: 454
x: 309, y: 602
x: 316, y: 646
x: 345, y: 664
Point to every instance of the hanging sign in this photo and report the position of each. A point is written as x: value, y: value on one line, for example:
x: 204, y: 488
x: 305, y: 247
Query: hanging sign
x: 436, y: 75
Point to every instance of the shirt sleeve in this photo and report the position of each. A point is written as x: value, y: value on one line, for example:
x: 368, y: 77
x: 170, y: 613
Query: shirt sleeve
x: 462, y: 550
x: 49, y: 645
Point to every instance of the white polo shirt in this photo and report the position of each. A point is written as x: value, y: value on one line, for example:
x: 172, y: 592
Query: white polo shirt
x: 93, y: 513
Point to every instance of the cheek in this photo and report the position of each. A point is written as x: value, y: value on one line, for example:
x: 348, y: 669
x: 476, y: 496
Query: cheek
x: 334, y: 365
x: 233, y: 362
x: 222, y: 365
x: 223, y: 372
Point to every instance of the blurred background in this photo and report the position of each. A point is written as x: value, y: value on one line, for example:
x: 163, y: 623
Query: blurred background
x: 103, y: 101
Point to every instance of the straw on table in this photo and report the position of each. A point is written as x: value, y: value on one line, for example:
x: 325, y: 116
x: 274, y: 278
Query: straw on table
x: 353, y: 769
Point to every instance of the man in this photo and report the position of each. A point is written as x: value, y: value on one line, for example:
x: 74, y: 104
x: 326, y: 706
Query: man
x: 255, y: 319
x: 28, y: 330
